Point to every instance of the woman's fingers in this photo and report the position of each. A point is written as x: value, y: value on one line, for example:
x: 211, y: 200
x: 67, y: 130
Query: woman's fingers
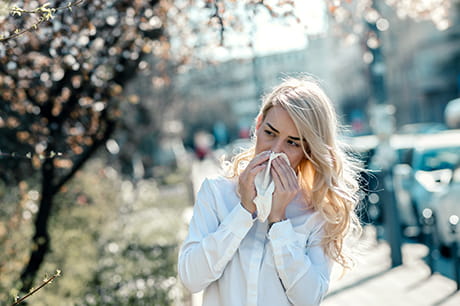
x: 256, y: 165
x: 285, y: 173
x: 276, y: 175
x: 246, y: 187
x: 286, y: 187
x: 260, y: 158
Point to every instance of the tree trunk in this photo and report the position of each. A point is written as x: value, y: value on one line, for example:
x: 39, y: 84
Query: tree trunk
x: 50, y: 187
x: 41, y: 239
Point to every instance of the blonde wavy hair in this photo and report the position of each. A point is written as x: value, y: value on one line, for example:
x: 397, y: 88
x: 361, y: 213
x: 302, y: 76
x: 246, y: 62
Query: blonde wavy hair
x: 328, y: 175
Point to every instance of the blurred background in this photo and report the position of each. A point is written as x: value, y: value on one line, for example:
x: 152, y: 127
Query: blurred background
x: 112, y: 112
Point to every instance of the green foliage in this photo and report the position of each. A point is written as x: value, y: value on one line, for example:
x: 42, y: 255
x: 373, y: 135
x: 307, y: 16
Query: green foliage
x: 115, y: 242
x: 136, y: 275
x: 16, y: 210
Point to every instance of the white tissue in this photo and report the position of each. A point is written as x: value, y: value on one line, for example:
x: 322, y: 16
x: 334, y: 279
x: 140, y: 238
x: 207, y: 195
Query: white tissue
x: 265, y: 187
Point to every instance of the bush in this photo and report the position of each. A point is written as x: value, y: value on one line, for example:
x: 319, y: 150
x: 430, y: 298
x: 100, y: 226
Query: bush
x: 115, y: 242
x: 18, y: 203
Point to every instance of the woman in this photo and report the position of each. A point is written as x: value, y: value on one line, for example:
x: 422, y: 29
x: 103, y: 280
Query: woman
x: 286, y: 260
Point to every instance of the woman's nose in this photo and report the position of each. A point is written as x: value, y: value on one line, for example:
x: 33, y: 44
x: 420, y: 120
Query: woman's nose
x: 277, y: 147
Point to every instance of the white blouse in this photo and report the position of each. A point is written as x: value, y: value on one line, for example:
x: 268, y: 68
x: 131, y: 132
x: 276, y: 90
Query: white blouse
x: 230, y: 255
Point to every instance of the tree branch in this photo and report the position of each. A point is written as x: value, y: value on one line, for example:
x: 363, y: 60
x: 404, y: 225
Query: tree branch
x: 46, y: 14
x: 45, y: 282
x: 220, y: 20
x: 109, y: 129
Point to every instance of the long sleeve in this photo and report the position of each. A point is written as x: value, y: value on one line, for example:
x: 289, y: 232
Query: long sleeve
x: 215, y: 233
x: 304, y: 272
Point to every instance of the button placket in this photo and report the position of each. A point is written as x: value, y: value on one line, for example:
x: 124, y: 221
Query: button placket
x: 255, y: 263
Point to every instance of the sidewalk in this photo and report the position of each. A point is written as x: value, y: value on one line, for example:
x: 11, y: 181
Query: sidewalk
x: 373, y: 282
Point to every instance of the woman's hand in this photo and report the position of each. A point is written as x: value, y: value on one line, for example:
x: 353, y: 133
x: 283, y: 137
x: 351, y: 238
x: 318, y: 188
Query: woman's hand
x: 286, y: 188
x: 246, y: 187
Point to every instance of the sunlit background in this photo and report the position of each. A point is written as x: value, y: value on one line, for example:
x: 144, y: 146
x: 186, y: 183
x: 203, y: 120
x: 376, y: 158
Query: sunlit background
x: 113, y: 112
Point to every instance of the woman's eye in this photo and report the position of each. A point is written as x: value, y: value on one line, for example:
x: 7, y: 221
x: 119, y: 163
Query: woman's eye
x: 270, y: 133
x: 293, y: 143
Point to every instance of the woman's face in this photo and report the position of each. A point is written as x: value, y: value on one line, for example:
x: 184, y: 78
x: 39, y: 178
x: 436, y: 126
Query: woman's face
x: 277, y: 133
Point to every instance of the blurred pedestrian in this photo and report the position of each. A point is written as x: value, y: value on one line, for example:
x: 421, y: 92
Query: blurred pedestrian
x: 203, y: 142
x: 239, y: 258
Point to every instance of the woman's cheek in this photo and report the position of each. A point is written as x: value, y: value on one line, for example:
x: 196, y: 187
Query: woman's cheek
x: 296, y: 159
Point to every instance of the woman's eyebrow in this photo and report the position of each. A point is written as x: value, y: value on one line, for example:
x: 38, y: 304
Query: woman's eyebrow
x: 271, y: 126
x: 275, y: 130
x: 294, y: 138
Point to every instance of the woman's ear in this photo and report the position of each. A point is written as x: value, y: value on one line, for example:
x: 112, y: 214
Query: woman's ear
x: 259, y: 120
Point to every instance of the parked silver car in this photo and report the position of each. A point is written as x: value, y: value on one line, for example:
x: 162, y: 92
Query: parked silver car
x: 428, y: 170
x: 365, y: 147
x: 446, y: 207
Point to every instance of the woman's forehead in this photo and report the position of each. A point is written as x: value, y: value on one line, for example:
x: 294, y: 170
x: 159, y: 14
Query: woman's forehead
x: 280, y: 119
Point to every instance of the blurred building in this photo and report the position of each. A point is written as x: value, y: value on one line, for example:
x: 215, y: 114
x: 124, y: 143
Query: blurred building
x: 339, y: 64
x: 419, y: 67
x: 422, y: 66
x: 230, y: 93
x: 418, y: 72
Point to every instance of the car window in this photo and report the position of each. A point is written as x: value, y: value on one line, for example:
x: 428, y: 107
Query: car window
x: 405, y: 155
x: 439, y: 158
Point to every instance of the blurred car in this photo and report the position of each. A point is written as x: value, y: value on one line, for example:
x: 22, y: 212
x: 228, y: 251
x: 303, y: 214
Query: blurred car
x: 365, y: 147
x: 446, y: 209
x: 422, y: 128
x: 404, y: 145
x: 426, y: 171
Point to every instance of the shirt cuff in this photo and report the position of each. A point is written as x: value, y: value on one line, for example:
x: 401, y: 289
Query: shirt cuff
x: 253, y: 215
x: 282, y: 232
x: 239, y: 221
